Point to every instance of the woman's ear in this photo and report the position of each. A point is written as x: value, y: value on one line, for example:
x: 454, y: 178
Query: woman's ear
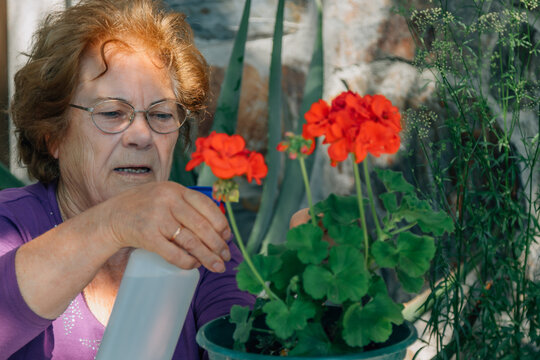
x: 52, y: 147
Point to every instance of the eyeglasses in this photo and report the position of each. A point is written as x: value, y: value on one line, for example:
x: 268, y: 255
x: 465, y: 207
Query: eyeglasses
x: 114, y: 116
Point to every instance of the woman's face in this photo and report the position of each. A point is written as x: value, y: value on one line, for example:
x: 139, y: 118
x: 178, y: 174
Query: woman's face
x: 95, y: 165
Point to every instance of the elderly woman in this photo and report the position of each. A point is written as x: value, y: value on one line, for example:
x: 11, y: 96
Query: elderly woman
x: 98, y: 110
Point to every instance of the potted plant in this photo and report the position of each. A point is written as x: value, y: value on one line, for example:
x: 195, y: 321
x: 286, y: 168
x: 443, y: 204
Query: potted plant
x: 321, y: 293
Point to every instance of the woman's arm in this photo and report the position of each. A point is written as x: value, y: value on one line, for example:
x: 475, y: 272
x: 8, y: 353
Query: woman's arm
x: 54, y: 267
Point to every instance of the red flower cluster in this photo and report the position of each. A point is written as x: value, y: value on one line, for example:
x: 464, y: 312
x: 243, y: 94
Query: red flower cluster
x: 227, y: 157
x: 355, y: 124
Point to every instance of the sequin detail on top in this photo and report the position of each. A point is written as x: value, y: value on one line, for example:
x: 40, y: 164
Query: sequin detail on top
x: 72, y: 313
x: 77, y: 331
x: 93, y: 344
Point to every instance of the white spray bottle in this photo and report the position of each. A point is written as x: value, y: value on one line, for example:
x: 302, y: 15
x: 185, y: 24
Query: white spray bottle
x: 150, y: 308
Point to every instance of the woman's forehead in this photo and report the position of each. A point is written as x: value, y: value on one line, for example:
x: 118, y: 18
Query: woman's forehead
x: 118, y: 71
x: 100, y: 57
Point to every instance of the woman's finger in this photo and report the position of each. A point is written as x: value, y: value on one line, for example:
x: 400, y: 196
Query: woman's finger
x: 211, y: 211
x: 175, y: 255
x: 186, y: 240
x: 200, y: 215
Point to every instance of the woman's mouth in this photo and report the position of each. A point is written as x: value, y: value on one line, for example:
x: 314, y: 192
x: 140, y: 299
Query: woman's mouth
x: 133, y: 170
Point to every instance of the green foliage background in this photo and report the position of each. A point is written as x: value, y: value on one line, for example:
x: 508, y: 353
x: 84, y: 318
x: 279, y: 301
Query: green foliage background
x: 483, y: 168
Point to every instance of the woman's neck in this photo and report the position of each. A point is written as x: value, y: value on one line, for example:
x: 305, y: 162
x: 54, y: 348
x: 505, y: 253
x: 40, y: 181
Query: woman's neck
x: 69, y: 205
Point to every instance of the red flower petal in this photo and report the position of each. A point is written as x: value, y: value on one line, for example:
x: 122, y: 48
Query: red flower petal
x: 338, y: 150
x: 256, y: 168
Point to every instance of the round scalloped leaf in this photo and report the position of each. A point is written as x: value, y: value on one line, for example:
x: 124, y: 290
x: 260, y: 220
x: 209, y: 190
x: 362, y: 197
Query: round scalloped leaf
x: 385, y: 254
x: 284, y: 320
x: 346, y: 279
x: 307, y: 240
x: 415, y: 253
x: 347, y: 235
x: 312, y: 341
x: 409, y: 283
x: 394, y: 181
x: 372, y: 322
x: 240, y: 317
x: 265, y: 265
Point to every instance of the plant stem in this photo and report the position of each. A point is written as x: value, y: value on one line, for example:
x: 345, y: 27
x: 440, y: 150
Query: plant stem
x: 245, y: 254
x: 405, y: 228
x: 359, y: 197
x: 371, y: 201
x: 308, y: 190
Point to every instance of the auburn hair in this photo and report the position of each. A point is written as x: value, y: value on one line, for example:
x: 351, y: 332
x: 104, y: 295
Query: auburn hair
x: 45, y: 85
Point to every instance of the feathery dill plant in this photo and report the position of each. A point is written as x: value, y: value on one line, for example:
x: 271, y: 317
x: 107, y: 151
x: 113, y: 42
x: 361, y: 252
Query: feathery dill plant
x: 481, y: 155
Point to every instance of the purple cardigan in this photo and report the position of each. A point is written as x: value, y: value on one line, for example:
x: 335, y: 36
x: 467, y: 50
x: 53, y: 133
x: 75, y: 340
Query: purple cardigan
x: 28, y: 212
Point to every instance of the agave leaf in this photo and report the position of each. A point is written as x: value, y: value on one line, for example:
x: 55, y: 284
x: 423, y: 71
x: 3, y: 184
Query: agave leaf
x: 178, y: 169
x: 226, y: 114
x: 292, y: 188
x: 270, y: 188
x: 7, y: 179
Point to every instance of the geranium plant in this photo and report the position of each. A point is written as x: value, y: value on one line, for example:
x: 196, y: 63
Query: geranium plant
x: 321, y: 292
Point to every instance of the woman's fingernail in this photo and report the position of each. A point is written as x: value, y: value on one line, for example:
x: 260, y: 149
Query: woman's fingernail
x: 226, y: 234
x: 226, y: 255
x: 218, y: 267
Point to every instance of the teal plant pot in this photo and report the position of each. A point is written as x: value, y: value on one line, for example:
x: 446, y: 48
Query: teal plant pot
x: 216, y: 338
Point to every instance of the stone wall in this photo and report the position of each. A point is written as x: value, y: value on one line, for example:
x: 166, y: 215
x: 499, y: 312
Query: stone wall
x: 372, y: 56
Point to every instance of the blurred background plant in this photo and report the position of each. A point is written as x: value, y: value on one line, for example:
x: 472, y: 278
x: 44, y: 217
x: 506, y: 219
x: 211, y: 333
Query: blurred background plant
x: 484, y: 58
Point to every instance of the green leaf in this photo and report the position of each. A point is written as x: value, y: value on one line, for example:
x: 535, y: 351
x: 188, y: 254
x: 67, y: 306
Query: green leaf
x: 415, y: 253
x: 7, y: 179
x: 292, y: 190
x: 312, y: 341
x: 346, y: 278
x: 239, y: 315
x: 285, y: 320
x: 226, y: 114
x: 412, y: 209
x: 394, y: 181
x: 338, y: 210
x: 282, y: 278
x: 410, y: 284
x: 389, y: 201
x: 351, y: 275
x: 273, y: 157
x: 377, y: 286
x: 307, y: 240
x: 317, y: 281
x: 347, y: 235
x: 373, y: 322
x: 436, y: 223
x: 265, y: 265
x: 276, y: 249
x: 385, y: 254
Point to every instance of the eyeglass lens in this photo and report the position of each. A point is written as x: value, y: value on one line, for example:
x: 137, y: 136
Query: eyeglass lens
x: 115, y: 116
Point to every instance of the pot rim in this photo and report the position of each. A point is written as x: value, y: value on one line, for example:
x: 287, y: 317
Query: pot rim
x: 205, y: 343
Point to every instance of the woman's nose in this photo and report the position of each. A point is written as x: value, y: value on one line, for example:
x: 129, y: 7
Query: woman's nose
x: 139, y: 133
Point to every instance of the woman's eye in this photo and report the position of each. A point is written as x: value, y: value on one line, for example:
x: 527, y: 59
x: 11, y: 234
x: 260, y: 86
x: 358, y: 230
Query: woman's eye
x: 115, y: 114
x: 161, y: 116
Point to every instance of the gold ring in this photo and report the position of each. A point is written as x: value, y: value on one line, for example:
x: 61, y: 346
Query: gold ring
x: 176, y: 233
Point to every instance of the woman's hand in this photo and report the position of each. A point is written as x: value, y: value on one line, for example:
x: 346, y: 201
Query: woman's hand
x: 183, y: 226
x: 300, y: 217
